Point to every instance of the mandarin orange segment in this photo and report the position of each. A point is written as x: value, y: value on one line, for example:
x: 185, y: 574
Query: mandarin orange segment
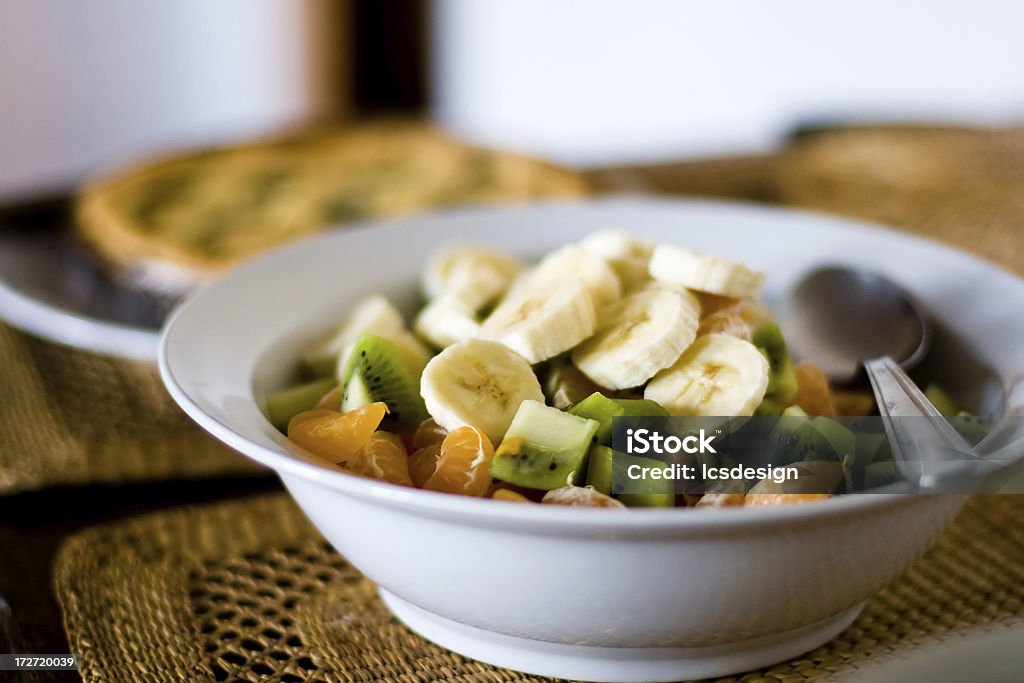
x: 813, y: 394
x: 333, y: 435
x: 464, y: 464
x: 423, y: 462
x: 331, y: 400
x: 307, y: 415
x: 853, y: 403
x: 766, y: 499
x: 510, y: 496
x: 429, y: 432
x: 382, y: 458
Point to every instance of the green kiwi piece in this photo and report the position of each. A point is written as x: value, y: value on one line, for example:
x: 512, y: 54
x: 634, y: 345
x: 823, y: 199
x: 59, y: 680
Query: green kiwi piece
x: 971, y: 427
x: 781, y: 376
x: 768, y: 408
x: 646, y: 493
x: 599, y: 468
x: 871, y: 447
x: 800, y: 438
x: 282, y: 406
x: 606, y: 465
x: 321, y: 367
x: 811, y: 445
x: 942, y: 401
x: 879, y: 474
x: 544, y: 448
x: 602, y: 409
x: 785, y: 434
x: 838, y: 438
x: 375, y: 372
x: 868, y: 447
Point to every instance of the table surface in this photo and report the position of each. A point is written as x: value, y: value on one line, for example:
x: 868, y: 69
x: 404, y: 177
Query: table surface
x: 33, y: 525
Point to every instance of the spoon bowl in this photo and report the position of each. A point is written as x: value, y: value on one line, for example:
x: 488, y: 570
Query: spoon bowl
x: 837, y: 317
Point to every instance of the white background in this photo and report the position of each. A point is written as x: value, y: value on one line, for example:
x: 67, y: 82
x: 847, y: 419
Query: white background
x: 90, y: 83
x: 594, y: 81
x: 86, y: 84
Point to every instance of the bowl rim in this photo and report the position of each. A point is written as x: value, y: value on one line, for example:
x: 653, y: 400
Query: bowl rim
x: 473, y: 510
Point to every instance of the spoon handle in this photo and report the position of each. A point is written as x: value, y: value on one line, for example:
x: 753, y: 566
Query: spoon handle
x: 897, y: 395
x: 924, y: 443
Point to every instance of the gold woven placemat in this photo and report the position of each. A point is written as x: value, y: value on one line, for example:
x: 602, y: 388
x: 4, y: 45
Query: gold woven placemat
x: 249, y: 591
x: 73, y: 417
x: 959, y: 185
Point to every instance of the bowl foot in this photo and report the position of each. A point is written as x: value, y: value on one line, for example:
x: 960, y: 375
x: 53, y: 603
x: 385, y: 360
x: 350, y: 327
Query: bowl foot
x: 616, y: 664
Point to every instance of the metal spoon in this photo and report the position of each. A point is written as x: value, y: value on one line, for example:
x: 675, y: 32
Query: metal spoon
x: 838, y: 317
x: 842, y: 319
x: 925, y: 446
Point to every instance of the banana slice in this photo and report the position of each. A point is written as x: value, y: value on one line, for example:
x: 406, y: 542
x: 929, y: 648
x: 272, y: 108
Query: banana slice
x: 718, y: 375
x: 755, y: 314
x: 542, y: 321
x: 472, y: 275
x: 629, y: 256
x: 728, y: 320
x: 375, y: 315
x: 444, y: 322
x: 597, y: 276
x: 639, y: 335
x: 738, y: 317
x: 478, y: 383
x: 685, y: 268
x: 615, y: 245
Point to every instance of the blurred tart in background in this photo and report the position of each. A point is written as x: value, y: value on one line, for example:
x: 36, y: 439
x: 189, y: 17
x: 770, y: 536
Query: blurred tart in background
x: 165, y: 226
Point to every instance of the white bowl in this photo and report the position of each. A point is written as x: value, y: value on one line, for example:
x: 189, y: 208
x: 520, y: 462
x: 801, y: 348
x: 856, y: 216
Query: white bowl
x: 600, y: 595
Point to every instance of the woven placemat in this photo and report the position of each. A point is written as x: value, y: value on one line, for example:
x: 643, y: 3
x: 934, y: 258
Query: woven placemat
x: 74, y: 417
x: 959, y: 185
x: 249, y: 591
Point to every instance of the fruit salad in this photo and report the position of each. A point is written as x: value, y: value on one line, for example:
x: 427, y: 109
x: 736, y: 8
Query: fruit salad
x: 507, y: 381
